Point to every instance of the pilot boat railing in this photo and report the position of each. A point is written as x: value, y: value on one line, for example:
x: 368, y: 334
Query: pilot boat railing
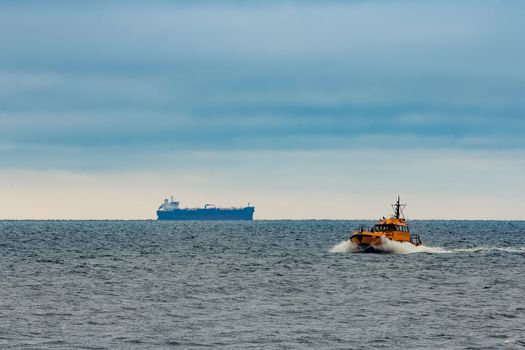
x: 414, y: 239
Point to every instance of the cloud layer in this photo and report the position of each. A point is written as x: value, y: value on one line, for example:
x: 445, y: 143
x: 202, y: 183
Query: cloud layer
x: 107, y: 86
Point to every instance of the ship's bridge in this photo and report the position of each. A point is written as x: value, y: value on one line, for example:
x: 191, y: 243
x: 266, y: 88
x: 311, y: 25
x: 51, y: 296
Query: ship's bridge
x: 169, y: 205
x: 391, y: 224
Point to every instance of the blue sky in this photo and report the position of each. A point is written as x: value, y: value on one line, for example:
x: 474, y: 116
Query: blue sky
x: 307, y: 109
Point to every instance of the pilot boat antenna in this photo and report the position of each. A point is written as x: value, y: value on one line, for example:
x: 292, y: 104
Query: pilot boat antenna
x: 398, y: 208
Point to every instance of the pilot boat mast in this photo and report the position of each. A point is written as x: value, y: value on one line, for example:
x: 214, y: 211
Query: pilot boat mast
x: 398, y: 208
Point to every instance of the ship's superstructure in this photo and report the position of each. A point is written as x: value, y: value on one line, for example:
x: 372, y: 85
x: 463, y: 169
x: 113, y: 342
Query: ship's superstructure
x: 170, y: 210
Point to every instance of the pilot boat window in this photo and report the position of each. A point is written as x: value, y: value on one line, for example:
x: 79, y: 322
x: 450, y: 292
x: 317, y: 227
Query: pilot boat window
x: 381, y: 228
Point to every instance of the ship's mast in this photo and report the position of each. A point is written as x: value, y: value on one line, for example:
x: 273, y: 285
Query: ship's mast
x: 398, y: 208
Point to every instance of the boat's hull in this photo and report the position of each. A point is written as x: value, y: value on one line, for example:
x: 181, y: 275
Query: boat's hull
x: 371, y: 249
x: 374, y: 242
x: 366, y: 239
x: 207, y: 214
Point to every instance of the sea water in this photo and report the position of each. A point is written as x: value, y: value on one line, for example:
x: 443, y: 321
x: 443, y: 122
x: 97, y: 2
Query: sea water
x: 258, y: 285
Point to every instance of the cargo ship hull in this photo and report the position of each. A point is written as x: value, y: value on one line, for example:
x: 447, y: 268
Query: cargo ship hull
x: 207, y: 214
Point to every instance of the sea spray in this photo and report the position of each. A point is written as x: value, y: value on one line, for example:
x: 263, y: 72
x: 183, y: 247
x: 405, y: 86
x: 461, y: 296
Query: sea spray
x: 345, y: 247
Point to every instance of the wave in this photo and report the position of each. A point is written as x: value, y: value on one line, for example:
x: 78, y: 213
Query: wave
x: 394, y: 247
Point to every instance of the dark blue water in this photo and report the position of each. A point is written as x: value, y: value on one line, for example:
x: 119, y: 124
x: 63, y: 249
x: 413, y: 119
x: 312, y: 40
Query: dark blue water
x: 257, y: 285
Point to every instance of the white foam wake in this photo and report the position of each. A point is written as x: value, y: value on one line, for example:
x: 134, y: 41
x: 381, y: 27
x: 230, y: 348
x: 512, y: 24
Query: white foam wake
x: 345, y: 247
x: 394, y: 247
x: 388, y: 246
x: 488, y: 249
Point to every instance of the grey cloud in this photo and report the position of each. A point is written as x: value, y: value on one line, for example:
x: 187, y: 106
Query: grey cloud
x: 295, y: 75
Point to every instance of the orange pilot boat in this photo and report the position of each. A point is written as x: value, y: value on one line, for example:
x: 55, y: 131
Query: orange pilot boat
x: 394, y: 228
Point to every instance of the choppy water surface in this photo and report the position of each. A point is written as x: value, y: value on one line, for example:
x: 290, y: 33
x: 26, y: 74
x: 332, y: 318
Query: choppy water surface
x: 258, y: 285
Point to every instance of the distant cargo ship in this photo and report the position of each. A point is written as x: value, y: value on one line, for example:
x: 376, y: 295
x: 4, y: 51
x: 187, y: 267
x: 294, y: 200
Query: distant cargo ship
x: 170, y: 210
